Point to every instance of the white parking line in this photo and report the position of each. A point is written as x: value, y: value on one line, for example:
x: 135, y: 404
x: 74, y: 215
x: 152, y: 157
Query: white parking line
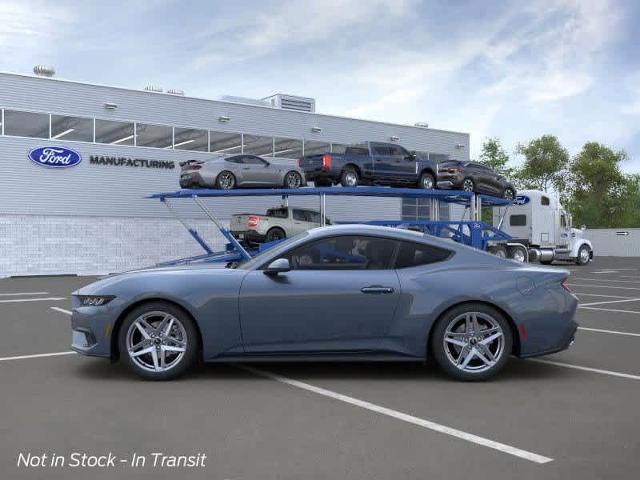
x: 584, y: 279
x: 37, y: 355
x: 61, y: 310
x: 609, y: 310
x: 603, y: 286
x: 586, y: 369
x: 17, y: 294
x: 615, y: 332
x: 610, y: 301
x: 469, y: 437
x: 598, y: 295
x: 17, y: 300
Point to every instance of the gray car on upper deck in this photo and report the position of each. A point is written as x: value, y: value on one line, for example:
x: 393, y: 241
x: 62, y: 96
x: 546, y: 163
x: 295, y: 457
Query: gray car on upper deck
x: 371, y: 163
x: 238, y: 171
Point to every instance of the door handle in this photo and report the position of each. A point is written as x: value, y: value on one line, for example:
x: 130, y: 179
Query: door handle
x: 377, y: 289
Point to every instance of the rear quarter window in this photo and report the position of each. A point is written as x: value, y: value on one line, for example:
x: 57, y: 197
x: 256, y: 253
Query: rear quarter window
x: 357, y: 151
x: 413, y: 254
x: 278, y: 213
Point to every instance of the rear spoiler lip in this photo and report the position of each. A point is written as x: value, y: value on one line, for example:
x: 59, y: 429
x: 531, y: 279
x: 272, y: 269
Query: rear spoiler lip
x: 189, y: 162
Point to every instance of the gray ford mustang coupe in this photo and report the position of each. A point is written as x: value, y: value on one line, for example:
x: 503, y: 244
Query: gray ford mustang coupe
x: 349, y: 292
x: 238, y: 171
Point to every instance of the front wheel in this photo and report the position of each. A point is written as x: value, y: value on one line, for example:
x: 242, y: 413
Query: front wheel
x: 584, y: 255
x: 472, y: 342
x: 427, y: 181
x: 158, y: 341
x: 292, y: 180
x: 468, y: 185
x: 508, y: 194
x: 517, y: 253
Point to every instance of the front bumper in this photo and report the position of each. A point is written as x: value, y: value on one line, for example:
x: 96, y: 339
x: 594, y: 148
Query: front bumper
x: 92, y: 328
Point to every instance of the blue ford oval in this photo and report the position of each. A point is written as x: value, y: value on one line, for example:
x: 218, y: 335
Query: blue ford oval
x: 55, y: 157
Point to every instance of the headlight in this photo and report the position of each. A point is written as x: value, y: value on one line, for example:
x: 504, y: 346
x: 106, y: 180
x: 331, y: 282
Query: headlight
x: 94, y: 300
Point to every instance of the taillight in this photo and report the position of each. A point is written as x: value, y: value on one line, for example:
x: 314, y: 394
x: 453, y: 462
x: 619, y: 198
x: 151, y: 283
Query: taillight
x: 326, y: 161
x: 195, y: 167
x: 299, y: 160
x: 253, y: 221
x: 565, y: 285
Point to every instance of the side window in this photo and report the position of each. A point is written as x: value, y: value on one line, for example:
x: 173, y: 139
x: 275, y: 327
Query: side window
x: 344, y: 253
x: 251, y: 160
x: 518, y: 220
x: 397, y: 150
x: 563, y: 221
x: 414, y: 254
x: 236, y: 159
x: 278, y: 213
x: 301, y: 216
x: 315, y: 217
x: 381, y: 150
x: 544, y: 200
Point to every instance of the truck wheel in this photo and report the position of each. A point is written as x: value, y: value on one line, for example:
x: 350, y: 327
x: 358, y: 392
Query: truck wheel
x: 519, y: 254
x: 468, y: 185
x: 349, y: 177
x: 584, y: 255
x: 275, y: 234
x: 427, y: 181
x: 498, y: 251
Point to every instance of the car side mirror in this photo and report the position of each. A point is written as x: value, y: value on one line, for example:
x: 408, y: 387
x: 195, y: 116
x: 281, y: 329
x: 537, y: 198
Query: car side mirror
x: 583, y: 227
x: 280, y: 265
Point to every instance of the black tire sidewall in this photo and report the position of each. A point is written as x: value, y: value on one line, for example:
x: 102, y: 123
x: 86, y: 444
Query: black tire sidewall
x: 437, y: 337
x: 578, y: 259
x: 344, y: 174
x: 271, y: 231
x: 473, y: 184
x: 286, y: 184
x: 433, y: 181
x: 188, y: 360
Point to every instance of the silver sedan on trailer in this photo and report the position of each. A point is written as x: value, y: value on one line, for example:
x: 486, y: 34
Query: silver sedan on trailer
x: 227, y: 172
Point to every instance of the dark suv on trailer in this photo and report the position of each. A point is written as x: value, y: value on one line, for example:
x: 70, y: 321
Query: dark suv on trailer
x: 371, y: 163
x: 474, y: 177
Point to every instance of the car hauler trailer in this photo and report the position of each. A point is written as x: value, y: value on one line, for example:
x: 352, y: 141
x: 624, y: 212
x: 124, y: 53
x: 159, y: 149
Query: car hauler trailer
x: 472, y: 232
x: 538, y: 221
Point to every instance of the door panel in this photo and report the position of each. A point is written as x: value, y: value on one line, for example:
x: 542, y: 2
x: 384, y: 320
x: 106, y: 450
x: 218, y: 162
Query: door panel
x: 321, y: 311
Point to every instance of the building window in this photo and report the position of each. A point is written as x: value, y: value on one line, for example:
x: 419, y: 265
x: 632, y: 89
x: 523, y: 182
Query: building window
x: 114, y: 133
x: 190, y: 139
x: 157, y: 136
x: 71, y: 128
x: 225, y: 142
x: 416, y: 209
x: 287, y: 148
x: 312, y: 147
x: 257, y: 145
x: 26, y: 124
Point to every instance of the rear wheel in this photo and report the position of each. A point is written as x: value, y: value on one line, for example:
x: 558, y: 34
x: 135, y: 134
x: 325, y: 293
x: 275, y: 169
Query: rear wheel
x: 498, y: 251
x: 225, y: 180
x: 158, y: 341
x: 472, y: 342
x: 584, y: 255
x: 350, y: 177
x: 427, y: 181
x: 508, y: 193
x: 274, y: 234
x: 468, y: 185
x: 293, y: 180
x: 517, y: 253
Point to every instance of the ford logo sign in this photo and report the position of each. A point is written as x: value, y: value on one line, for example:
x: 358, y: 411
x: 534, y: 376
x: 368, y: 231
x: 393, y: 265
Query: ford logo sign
x: 521, y: 200
x: 55, y: 157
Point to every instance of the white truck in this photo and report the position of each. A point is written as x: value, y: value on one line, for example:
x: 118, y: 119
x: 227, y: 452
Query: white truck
x: 538, y: 221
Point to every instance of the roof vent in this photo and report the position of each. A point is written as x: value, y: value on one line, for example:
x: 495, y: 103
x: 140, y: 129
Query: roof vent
x: 153, y: 88
x: 421, y: 124
x: 292, y: 102
x: 175, y: 91
x: 44, y: 71
x: 244, y: 100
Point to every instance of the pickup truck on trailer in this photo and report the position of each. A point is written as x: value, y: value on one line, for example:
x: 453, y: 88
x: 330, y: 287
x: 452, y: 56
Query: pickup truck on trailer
x: 371, y: 163
x: 276, y: 224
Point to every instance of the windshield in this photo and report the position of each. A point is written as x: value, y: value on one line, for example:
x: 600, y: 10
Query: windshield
x: 277, y: 250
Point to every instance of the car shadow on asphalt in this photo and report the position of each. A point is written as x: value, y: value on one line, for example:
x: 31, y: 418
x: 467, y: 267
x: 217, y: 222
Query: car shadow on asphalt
x: 515, y: 371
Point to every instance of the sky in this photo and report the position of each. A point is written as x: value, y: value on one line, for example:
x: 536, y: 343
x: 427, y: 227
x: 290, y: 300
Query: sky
x: 508, y: 69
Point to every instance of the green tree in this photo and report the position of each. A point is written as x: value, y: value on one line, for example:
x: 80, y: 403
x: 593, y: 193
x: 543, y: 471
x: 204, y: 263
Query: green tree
x: 545, y: 164
x: 601, y: 194
x: 494, y: 156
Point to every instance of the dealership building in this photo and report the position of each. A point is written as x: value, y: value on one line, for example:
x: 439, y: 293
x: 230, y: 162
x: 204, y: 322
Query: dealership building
x: 92, y: 217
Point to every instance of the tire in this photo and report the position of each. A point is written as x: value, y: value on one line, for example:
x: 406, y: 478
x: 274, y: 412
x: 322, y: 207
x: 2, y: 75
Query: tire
x: 519, y: 254
x: 468, y: 185
x: 509, y: 194
x: 427, y: 181
x: 349, y: 177
x: 584, y: 255
x: 546, y: 262
x: 292, y: 180
x: 498, y: 251
x: 323, y: 183
x: 225, y: 180
x: 468, y: 356
x: 275, y: 233
x: 181, y: 334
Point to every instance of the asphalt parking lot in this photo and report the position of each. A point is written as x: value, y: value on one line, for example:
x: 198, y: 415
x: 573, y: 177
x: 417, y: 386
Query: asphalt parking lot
x: 571, y: 415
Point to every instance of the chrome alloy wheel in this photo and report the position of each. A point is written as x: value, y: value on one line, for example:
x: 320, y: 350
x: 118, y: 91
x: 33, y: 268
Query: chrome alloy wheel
x: 508, y: 194
x: 584, y: 255
x: 467, y: 185
x: 474, y: 342
x: 351, y: 178
x: 293, y: 180
x: 156, y: 341
x: 427, y: 182
x: 519, y: 255
x: 226, y: 181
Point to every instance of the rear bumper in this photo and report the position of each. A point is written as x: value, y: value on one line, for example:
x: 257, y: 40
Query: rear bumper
x: 250, y: 236
x: 191, y: 180
x: 319, y: 174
